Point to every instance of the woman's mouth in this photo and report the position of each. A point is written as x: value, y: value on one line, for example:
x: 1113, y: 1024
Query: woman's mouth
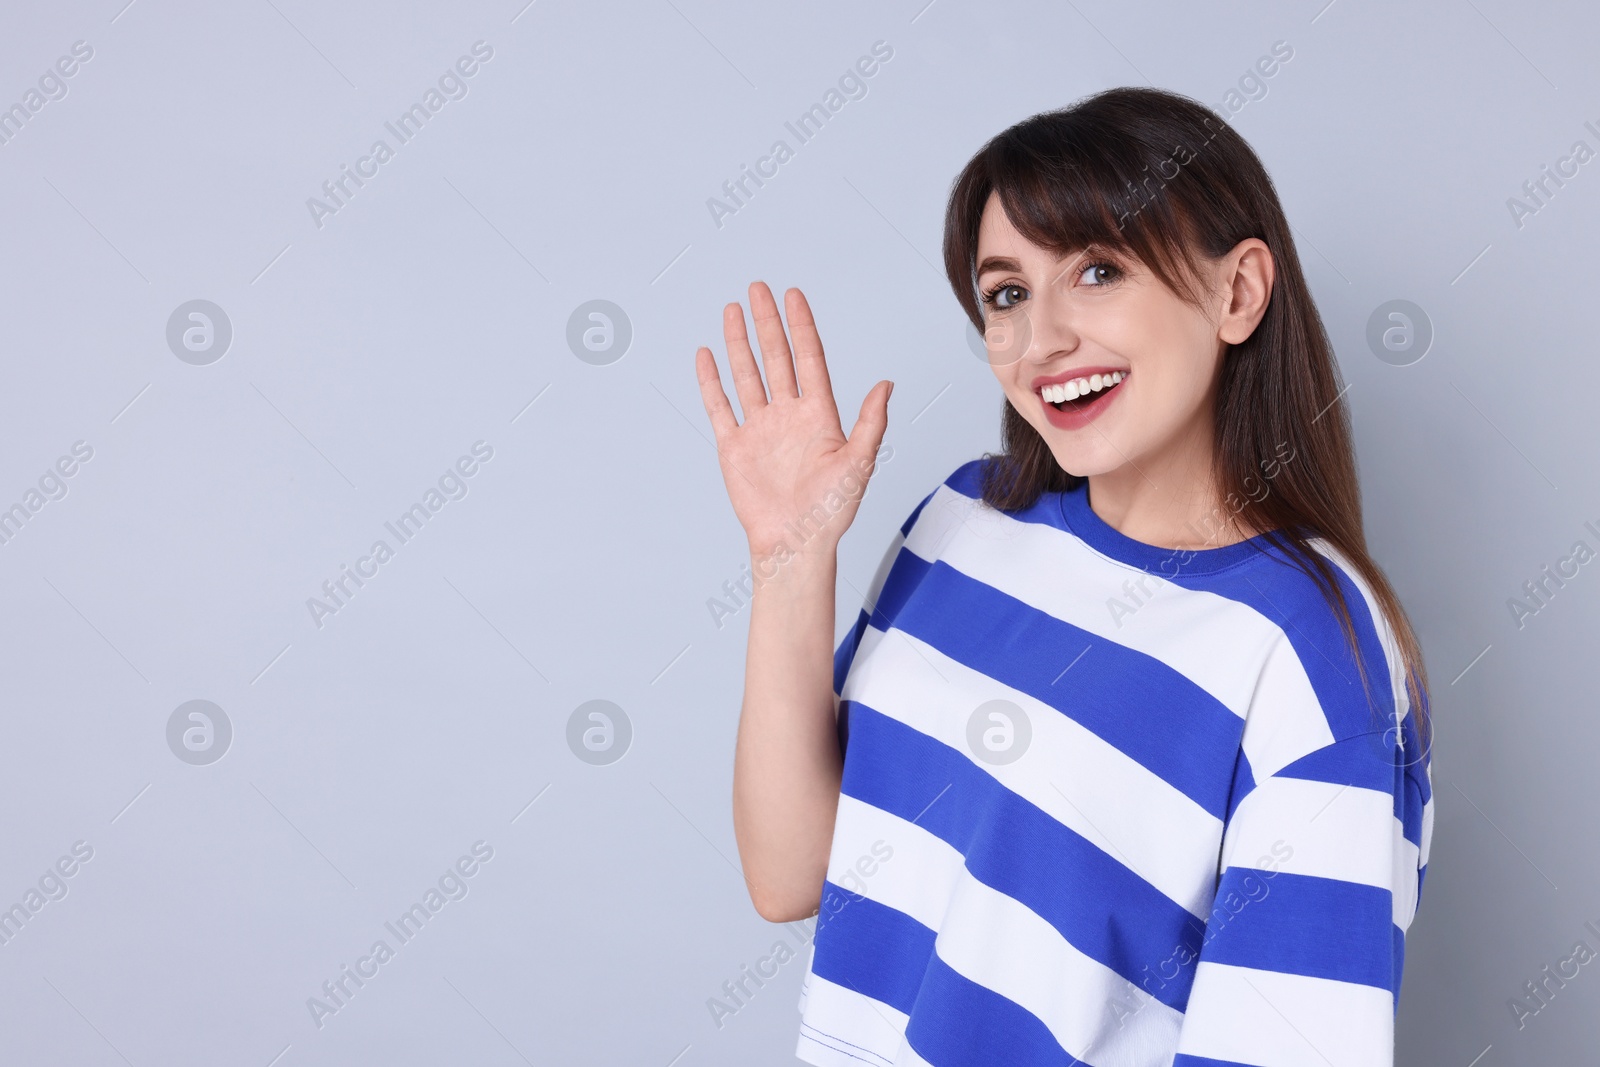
x: 1073, y: 404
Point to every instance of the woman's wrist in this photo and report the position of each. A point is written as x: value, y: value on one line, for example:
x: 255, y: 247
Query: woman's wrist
x: 775, y: 560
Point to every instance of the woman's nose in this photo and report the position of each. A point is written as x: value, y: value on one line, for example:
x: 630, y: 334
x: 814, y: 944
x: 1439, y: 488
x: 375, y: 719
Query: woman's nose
x: 1046, y: 332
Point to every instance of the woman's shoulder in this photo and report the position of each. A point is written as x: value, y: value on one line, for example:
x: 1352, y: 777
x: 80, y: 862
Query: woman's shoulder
x: 1349, y: 683
x: 967, y: 479
x: 1289, y: 571
x: 962, y: 488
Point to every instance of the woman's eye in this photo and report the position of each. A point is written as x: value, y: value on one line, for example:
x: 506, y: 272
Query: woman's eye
x: 1092, y: 271
x: 998, y: 299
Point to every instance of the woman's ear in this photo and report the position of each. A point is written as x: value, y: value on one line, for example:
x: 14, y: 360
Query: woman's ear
x: 1247, y: 272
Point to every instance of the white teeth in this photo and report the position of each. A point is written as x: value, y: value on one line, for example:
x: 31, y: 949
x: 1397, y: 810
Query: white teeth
x: 1063, y: 391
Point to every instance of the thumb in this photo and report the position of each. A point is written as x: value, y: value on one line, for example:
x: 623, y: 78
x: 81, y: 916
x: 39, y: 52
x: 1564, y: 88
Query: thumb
x: 867, y: 434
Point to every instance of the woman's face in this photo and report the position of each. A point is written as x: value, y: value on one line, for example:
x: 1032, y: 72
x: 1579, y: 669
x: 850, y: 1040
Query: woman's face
x: 1053, y: 320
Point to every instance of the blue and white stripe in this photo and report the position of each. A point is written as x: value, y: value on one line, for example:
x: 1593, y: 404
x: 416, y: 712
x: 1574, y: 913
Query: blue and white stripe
x: 1208, y: 855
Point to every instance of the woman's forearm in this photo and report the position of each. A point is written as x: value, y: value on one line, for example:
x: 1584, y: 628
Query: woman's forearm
x: 787, y: 761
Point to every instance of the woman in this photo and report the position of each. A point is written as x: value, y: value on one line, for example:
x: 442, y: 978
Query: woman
x: 1125, y: 760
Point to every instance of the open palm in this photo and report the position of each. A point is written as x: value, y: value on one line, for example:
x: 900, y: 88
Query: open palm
x: 792, y: 476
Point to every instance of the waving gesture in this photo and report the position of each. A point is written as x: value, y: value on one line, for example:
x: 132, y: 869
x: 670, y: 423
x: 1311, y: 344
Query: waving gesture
x: 794, y: 479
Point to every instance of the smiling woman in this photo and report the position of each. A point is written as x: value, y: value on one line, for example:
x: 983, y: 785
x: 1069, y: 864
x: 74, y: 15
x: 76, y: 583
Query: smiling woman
x: 1153, y: 799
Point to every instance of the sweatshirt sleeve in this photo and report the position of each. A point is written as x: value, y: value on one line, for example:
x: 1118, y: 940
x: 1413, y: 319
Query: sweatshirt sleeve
x: 1300, y: 961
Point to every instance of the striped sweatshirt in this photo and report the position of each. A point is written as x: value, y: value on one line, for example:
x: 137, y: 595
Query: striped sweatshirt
x: 1113, y: 805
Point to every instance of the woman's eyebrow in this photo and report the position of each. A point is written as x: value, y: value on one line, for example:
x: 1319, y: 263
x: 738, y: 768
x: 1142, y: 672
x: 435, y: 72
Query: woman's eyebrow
x: 993, y: 263
x: 1006, y: 263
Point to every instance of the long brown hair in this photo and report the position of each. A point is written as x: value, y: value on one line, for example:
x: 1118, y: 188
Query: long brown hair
x: 1159, y: 176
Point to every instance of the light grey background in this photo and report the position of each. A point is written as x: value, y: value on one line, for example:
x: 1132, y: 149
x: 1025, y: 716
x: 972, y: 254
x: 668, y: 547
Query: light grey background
x: 431, y: 312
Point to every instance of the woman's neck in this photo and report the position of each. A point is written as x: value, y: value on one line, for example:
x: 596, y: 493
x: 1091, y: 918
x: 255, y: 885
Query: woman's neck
x: 1177, y: 507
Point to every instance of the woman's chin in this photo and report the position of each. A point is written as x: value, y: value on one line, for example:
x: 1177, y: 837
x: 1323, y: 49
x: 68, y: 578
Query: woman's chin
x: 1083, y: 458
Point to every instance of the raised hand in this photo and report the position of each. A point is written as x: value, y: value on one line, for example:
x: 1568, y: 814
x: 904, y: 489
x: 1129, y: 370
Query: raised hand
x: 794, y: 479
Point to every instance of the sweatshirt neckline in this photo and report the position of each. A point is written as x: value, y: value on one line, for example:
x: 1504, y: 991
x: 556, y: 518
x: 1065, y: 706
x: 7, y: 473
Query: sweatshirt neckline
x: 1106, y: 539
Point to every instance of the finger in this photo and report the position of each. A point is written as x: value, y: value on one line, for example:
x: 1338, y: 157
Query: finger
x: 742, y: 362
x: 867, y: 434
x: 718, y: 409
x: 811, y: 366
x: 775, y: 356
